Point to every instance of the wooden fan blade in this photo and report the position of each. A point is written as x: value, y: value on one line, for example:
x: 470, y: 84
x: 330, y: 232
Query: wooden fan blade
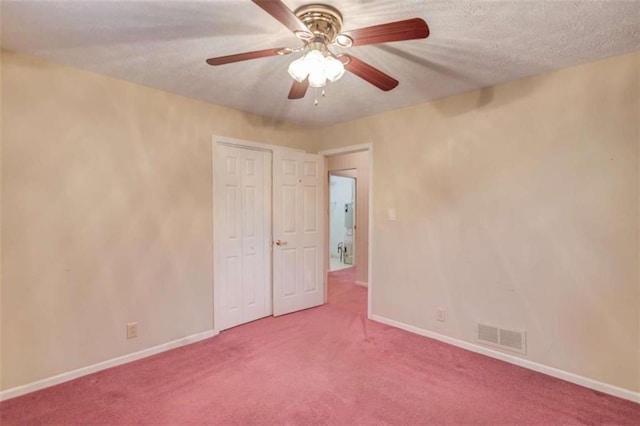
x: 221, y: 60
x: 409, y: 29
x: 282, y: 13
x: 369, y: 73
x: 298, y: 90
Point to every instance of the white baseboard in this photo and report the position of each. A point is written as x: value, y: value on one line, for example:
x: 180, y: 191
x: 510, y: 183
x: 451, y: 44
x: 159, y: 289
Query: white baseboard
x: 70, y: 375
x: 541, y: 368
x: 362, y: 283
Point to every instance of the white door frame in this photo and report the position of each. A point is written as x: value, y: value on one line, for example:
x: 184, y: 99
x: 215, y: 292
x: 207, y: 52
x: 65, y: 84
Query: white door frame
x: 256, y: 146
x: 348, y: 150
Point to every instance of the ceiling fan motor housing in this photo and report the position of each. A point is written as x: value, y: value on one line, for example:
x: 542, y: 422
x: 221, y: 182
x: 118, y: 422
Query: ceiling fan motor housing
x: 323, y: 21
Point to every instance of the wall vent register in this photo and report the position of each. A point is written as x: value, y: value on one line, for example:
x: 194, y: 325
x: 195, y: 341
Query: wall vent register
x: 507, y: 339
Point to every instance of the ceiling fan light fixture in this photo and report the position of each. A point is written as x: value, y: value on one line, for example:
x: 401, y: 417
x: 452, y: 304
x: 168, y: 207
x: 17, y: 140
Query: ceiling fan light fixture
x: 317, y: 79
x: 333, y: 69
x: 317, y: 67
x: 299, y: 69
x: 314, y: 60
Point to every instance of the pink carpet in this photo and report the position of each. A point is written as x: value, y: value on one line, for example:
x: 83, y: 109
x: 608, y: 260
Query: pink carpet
x: 328, y: 365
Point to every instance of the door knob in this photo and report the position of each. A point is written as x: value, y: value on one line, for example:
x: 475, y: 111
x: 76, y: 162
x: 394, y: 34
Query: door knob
x: 281, y: 243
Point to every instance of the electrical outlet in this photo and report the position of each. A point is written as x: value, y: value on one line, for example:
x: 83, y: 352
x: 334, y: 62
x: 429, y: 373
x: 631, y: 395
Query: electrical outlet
x: 441, y: 314
x: 132, y: 330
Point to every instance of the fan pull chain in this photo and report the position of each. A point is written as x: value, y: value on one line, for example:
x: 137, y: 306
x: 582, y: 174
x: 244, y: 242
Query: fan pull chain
x: 315, y: 102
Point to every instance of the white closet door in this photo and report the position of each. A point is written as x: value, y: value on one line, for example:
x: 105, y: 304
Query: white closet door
x: 242, y: 235
x: 298, y: 231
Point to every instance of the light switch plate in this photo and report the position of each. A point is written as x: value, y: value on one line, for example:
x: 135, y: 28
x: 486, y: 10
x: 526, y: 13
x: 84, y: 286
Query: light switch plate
x: 132, y: 330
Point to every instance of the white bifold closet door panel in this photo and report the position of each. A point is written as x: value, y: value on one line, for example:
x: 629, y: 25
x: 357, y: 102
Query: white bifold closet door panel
x: 298, y: 231
x: 242, y: 269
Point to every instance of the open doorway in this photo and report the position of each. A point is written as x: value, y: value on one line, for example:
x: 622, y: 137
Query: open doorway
x: 352, y: 162
x: 342, y: 219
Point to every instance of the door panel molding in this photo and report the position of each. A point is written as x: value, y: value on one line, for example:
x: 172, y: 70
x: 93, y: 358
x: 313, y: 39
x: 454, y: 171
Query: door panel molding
x: 241, y: 176
x: 295, y: 257
x: 298, y: 228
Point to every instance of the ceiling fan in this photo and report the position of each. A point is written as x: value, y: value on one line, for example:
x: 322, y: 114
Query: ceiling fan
x: 319, y: 27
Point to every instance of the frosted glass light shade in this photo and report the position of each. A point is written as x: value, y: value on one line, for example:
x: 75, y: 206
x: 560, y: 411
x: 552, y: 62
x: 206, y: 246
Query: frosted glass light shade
x: 314, y: 60
x: 298, y: 69
x: 333, y: 68
x: 317, y: 78
x: 317, y: 67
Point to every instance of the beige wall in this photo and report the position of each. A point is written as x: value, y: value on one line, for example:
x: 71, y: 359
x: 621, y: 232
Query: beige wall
x: 517, y: 205
x: 106, y: 213
x: 1, y: 255
x: 360, y: 162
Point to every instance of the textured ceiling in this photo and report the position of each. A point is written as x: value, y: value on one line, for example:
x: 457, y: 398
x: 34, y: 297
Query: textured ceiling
x: 473, y: 44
